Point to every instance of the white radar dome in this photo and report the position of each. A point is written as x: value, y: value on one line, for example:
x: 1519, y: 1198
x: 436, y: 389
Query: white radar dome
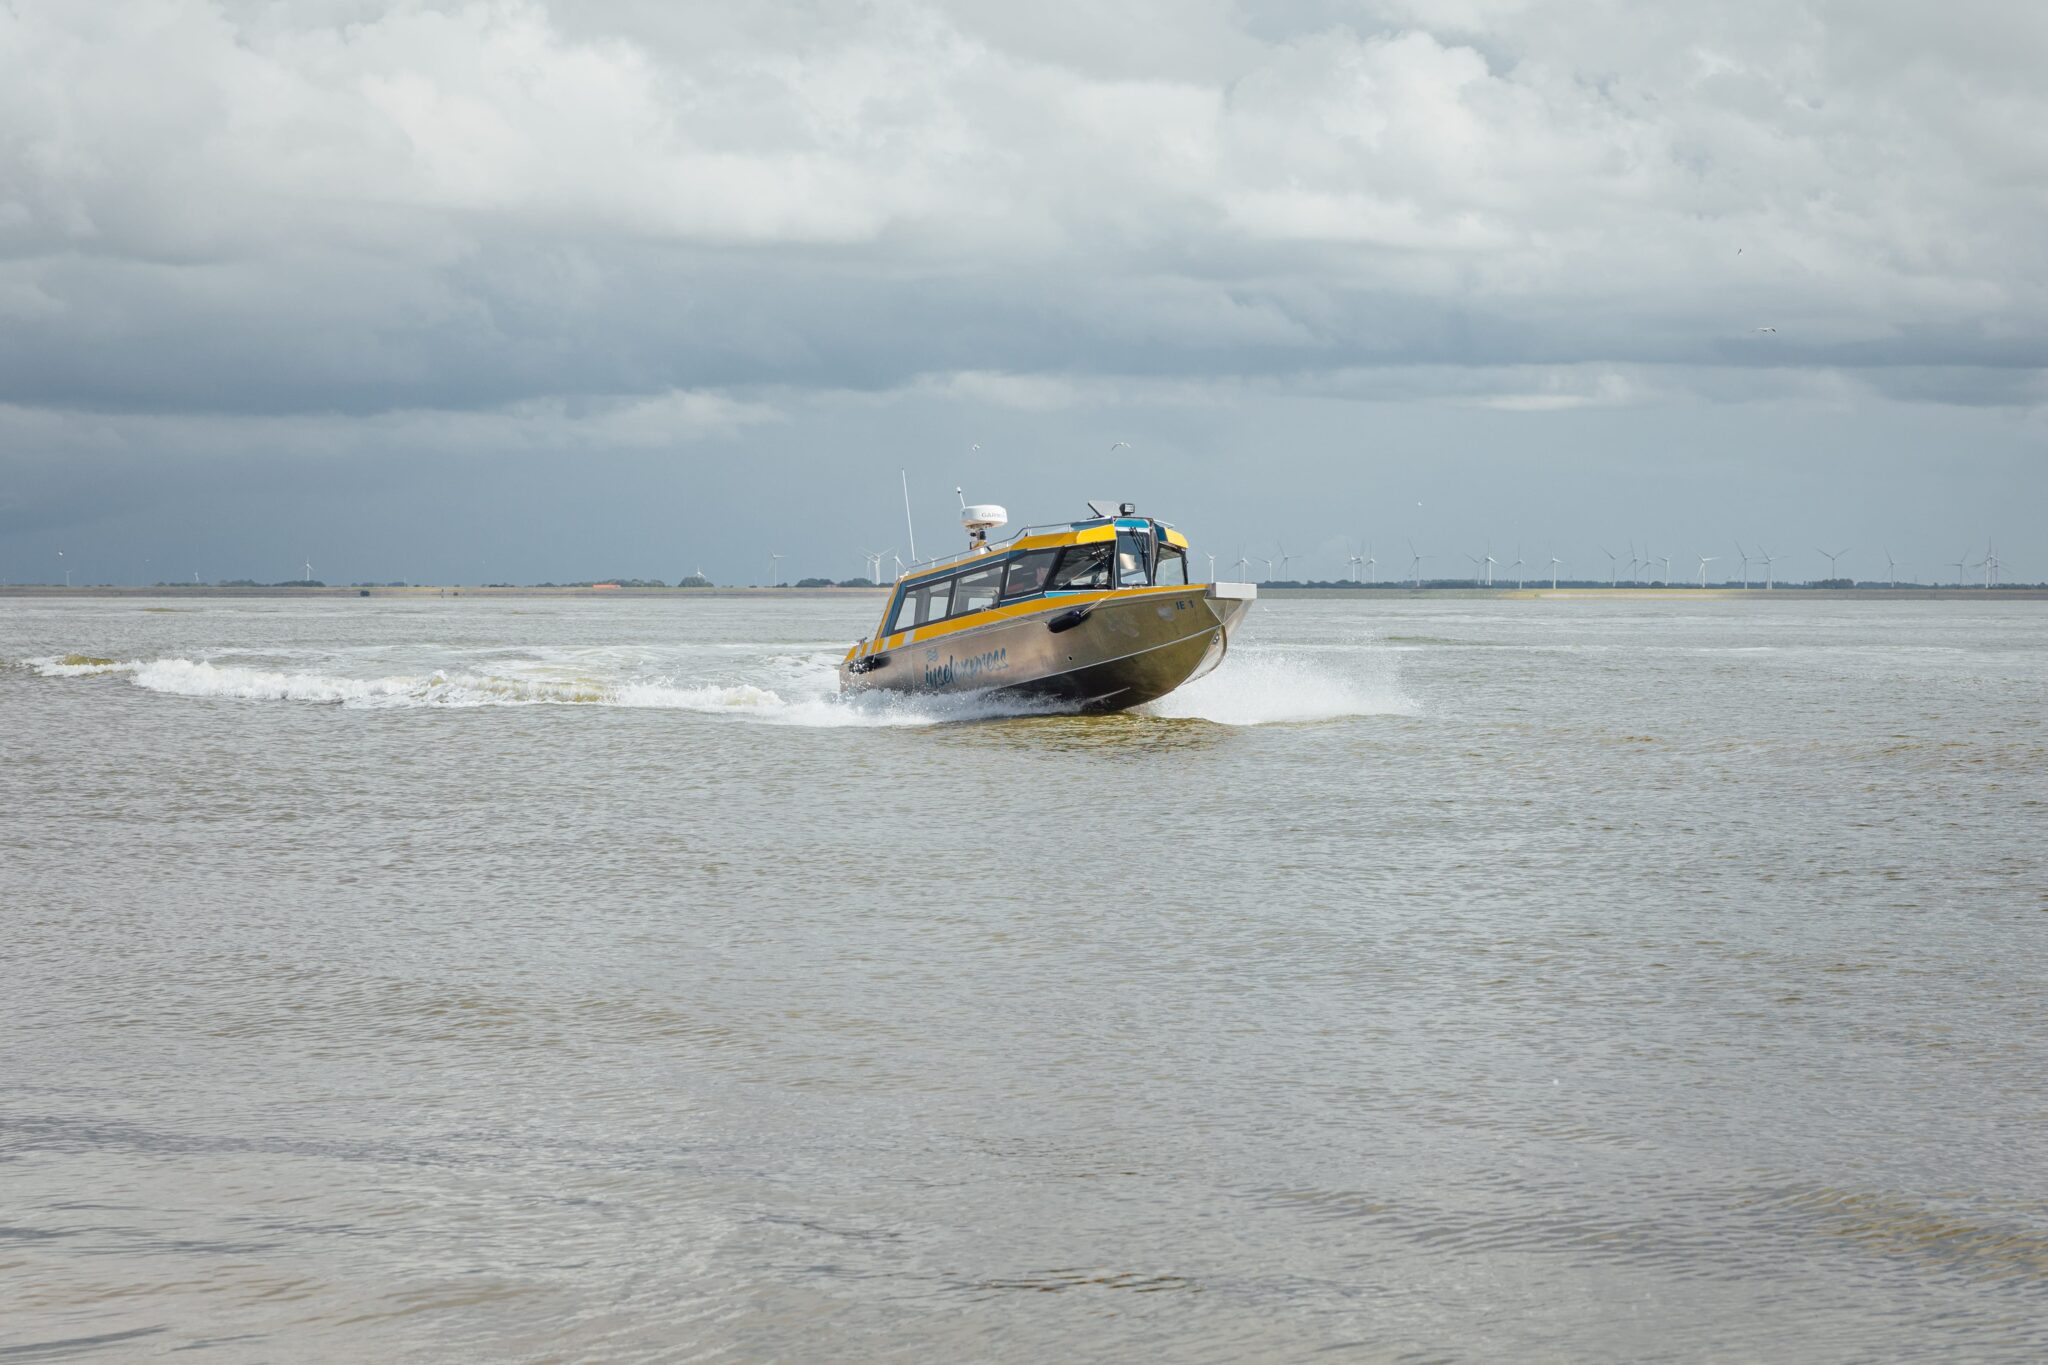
x: 983, y: 516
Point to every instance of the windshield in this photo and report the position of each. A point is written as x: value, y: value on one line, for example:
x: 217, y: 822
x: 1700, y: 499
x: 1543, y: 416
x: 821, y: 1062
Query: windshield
x: 1133, y: 559
x: 1083, y: 566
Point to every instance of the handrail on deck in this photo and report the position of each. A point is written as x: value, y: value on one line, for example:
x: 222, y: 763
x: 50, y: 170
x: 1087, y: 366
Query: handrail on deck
x: 990, y: 547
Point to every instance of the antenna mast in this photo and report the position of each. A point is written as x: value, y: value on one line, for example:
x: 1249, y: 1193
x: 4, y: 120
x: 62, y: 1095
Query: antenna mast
x: 906, y: 515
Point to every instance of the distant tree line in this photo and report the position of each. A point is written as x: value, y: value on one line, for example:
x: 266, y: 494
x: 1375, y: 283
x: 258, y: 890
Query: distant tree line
x: 257, y: 583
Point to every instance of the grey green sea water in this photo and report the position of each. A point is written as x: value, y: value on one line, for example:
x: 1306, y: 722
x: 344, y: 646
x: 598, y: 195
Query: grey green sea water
x: 1441, y: 980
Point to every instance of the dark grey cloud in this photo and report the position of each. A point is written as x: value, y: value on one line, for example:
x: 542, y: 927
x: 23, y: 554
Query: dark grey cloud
x: 275, y: 250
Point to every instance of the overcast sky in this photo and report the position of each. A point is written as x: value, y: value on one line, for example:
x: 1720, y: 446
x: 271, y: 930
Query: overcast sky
x: 521, y: 291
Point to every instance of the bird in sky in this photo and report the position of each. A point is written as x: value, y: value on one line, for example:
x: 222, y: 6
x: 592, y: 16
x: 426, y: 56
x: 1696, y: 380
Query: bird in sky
x: 1120, y: 445
x: 1763, y: 329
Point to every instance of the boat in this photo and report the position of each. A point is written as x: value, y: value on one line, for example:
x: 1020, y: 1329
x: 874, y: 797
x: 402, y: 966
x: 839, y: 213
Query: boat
x: 1094, y: 615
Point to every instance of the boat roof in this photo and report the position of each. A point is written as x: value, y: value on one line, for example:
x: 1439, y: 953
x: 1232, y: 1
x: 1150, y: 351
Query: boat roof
x: 1053, y: 535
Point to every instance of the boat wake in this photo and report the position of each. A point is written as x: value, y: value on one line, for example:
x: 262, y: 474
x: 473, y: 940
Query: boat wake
x: 804, y: 694
x: 1252, y: 688
x: 1276, y: 687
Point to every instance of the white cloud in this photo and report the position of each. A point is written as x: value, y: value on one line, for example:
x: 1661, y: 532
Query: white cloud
x: 1024, y: 392
x: 1564, y: 389
x: 501, y: 201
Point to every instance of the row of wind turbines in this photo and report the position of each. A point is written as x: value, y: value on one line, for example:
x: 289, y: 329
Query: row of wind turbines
x: 1364, y: 565
x: 66, y: 566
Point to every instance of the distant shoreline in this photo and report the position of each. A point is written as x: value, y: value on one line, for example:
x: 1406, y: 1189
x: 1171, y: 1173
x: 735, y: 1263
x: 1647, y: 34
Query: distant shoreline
x: 1668, y: 594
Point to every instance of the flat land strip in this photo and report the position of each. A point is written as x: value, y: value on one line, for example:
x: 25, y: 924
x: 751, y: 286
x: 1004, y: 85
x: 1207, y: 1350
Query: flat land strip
x: 1673, y: 594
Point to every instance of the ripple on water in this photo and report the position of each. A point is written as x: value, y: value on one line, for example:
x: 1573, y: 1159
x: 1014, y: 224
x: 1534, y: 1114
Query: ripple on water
x: 1562, y: 981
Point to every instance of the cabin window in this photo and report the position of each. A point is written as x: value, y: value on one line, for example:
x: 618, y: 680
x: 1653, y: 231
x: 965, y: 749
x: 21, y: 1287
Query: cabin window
x: 1082, y: 566
x: 1028, y: 573
x: 905, y: 615
x: 977, y: 591
x: 920, y: 606
x: 1133, y: 560
x: 941, y: 594
x: 1173, y: 564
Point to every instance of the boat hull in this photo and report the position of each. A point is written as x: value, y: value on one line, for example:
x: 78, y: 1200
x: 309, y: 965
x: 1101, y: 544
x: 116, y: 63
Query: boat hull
x: 1108, y: 652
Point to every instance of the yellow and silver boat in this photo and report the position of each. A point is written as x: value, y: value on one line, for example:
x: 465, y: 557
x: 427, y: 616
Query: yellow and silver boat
x: 1092, y: 615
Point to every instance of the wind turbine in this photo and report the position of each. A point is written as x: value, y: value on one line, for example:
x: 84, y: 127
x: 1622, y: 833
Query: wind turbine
x: 1256, y: 559
x: 1770, y: 576
x: 775, y: 566
x: 1960, y: 565
x: 1415, y: 564
x: 1285, y: 559
x: 1243, y: 565
x: 1372, y: 565
x: 1516, y: 565
x: 1355, y: 563
x: 1830, y: 558
x: 1891, y: 568
x: 1704, y: 561
x: 309, y: 571
x: 1666, y: 580
x: 1989, y: 564
x: 1745, y: 564
x: 1554, y: 562
x: 1487, y: 563
x: 1614, y: 567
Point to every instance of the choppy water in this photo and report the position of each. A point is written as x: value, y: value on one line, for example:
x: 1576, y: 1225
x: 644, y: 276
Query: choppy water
x: 555, y: 980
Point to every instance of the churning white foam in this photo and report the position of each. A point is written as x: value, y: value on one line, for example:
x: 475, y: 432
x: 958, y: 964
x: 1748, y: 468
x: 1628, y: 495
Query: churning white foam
x: 1252, y: 687
x: 806, y: 691
x: 1269, y: 687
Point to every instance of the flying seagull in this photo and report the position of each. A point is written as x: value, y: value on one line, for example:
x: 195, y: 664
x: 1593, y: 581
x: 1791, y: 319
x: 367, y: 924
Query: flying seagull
x: 1123, y: 444
x: 1763, y: 329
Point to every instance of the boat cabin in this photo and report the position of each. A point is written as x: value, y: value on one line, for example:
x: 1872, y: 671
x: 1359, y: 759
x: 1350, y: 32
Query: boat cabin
x: 1081, y: 559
